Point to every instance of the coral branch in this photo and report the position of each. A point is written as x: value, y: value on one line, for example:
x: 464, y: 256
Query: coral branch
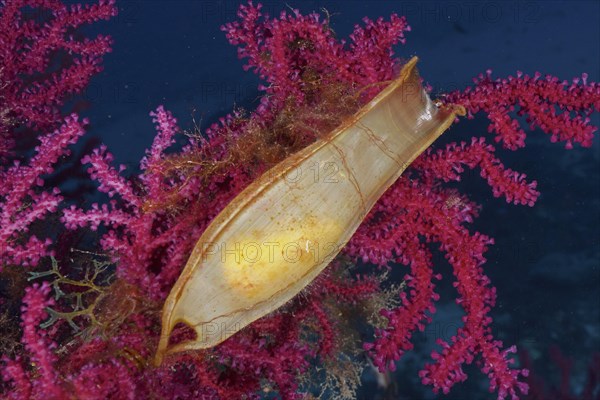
x: 556, y: 107
x: 34, y: 85
x: 22, y: 201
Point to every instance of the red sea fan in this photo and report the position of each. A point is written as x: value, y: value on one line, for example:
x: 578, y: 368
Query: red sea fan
x: 33, y: 36
x: 23, y: 199
x: 33, y: 87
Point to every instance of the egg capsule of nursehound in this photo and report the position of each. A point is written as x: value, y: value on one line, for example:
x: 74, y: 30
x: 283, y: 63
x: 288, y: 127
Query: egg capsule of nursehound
x: 279, y: 233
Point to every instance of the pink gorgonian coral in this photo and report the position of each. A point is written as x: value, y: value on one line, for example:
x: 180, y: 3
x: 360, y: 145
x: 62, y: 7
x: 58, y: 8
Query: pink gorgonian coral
x: 42, y: 64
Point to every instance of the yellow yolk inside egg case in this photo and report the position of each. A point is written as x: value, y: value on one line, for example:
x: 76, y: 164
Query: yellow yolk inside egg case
x: 259, y: 268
